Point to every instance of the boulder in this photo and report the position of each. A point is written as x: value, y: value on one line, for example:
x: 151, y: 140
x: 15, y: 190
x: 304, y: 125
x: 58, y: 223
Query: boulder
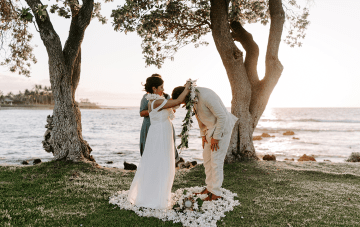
x: 187, y: 165
x: 129, y: 166
x: 193, y: 163
x: 289, y: 133
x: 257, y: 138
x: 119, y: 153
x: 354, y: 157
x: 327, y: 160
x: 109, y: 162
x: 36, y: 161
x: 306, y: 158
x: 269, y: 157
x: 295, y: 138
x: 25, y: 162
x: 180, y: 161
x: 289, y: 159
x: 266, y: 135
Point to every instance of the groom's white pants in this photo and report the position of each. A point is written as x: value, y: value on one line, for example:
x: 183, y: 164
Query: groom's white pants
x: 214, y: 163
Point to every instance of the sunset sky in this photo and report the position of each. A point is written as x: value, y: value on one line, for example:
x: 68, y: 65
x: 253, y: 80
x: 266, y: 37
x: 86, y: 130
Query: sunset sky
x: 325, y: 72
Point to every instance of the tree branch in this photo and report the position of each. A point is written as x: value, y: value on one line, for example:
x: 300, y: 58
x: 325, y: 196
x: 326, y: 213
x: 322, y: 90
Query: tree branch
x: 48, y: 34
x: 79, y: 22
x: 274, y: 67
x: 252, y: 51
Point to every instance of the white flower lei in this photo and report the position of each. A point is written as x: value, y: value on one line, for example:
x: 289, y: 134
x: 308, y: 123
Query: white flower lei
x: 151, y: 97
x: 188, y: 117
x: 207, y: 215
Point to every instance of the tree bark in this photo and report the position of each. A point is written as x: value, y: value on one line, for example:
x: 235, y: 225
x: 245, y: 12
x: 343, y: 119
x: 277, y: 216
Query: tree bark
x: 64, y: 135
x: 250, y: 95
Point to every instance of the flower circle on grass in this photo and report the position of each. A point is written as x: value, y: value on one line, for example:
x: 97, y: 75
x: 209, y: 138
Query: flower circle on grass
x: 207, y: 215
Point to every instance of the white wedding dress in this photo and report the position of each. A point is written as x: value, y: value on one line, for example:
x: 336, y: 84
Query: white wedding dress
x: 151, y: 186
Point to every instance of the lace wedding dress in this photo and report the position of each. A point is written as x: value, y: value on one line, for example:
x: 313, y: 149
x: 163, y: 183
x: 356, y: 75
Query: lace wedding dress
x: 151, y: 186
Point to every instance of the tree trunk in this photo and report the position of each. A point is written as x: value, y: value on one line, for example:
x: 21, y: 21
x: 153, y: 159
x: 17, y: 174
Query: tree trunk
x: 250, y: 95
x: 66, y: 139
x: 64, y: 135
x: 232, y: 59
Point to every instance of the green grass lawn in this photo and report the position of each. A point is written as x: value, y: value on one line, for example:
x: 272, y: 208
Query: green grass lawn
x: 62, y: 193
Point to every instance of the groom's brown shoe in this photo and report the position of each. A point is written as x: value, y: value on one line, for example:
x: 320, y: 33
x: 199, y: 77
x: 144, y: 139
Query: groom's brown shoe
x: 205, y: 191
x: 212, y: 197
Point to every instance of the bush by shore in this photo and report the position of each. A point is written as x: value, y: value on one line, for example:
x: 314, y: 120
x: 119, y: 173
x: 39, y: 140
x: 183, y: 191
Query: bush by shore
x: 61, y: 193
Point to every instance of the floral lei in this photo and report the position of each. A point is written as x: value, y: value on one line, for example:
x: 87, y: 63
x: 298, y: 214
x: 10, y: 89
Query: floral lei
x: 151, y: 97
x: 188, y: 118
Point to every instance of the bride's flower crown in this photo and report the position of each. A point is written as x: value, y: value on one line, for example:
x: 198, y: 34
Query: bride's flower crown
x: 151, y: 97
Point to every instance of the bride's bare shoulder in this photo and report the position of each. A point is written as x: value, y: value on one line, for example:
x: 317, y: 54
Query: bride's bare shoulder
x: 158, y: 103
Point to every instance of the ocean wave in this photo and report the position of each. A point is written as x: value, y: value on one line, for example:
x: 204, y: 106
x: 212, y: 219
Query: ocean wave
x: 310, y: 120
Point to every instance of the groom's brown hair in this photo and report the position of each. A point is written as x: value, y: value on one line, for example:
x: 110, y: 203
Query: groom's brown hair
x: 177, y: 92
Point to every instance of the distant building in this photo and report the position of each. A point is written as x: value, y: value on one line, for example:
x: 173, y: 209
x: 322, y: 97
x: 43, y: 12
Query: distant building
x: 6, y: 101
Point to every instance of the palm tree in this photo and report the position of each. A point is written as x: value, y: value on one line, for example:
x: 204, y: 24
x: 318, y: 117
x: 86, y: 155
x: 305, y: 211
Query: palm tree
x: 27, y: 96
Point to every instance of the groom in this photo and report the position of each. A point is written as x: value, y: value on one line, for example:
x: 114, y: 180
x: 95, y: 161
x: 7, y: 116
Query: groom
x: 216, y: 125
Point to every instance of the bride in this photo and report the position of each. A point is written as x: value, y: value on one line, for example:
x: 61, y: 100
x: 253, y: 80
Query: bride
x: 151, y: 186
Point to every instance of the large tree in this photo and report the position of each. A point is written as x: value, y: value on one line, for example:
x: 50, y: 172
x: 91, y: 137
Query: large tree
x: 167, y: 25
x: 65, y: 139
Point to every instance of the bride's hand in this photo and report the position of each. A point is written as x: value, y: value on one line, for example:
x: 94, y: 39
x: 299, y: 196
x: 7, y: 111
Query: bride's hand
x: 187, y: 85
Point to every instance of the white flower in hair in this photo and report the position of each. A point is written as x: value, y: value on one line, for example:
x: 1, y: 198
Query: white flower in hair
x: 151, y: 97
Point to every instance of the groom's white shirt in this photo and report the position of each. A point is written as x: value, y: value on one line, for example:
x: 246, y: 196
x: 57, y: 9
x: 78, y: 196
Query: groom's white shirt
x: 213, y: 117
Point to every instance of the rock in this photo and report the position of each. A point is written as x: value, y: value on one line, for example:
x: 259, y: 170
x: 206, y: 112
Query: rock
x: 289, y: 159
x: 119, y: 153
x: 91, y: 158
x: 25, y: 162
x: 36, y: 161
x: 129, y: 166
x: 109, y: 162
x: 354, y: 157
x: 295, y: 138
x: 289, y: 133
x: 269, y: 157
x: 187, y: 165
x: 266, y: 135
x: 257, y: 138
x: 180, y: 161
x: 327, y: 160
x: 306, y: 158
x: 193, y: 163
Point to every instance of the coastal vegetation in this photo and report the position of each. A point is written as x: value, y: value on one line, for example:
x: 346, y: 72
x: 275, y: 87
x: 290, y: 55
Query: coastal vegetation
x: 166, y: 26
x: 38, y: 95
x: 59, y: 193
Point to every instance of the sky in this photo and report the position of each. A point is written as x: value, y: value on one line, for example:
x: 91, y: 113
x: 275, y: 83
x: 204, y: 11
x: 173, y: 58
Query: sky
x: 324, y: 72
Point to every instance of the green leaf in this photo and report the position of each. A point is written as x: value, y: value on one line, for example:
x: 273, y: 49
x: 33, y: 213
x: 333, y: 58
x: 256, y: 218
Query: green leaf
x: 200, y: 202
x: 184, y: 192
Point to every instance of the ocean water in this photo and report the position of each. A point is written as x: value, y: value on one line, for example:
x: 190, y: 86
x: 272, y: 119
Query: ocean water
x: 113, y: 134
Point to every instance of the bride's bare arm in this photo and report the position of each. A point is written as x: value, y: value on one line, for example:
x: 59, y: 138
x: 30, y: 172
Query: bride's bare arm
x: 172, y: 103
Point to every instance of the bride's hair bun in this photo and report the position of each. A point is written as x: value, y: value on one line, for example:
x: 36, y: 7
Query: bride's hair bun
x: 153, y: 81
